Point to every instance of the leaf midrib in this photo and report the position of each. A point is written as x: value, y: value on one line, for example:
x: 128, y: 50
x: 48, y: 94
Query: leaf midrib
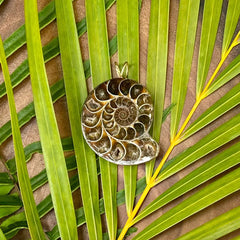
x: 179, y: 162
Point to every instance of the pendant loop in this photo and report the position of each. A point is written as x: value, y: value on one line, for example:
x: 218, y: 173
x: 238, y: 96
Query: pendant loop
x: 122, y: 73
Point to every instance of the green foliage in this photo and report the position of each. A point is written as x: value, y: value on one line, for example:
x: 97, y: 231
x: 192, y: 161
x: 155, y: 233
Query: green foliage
x: 101, y: 71
x: 57, y: 91
x: 157, y: 66
x: 18, y: 38
x: 51, y: 50
x: 185, y: 40
x: 211, y: 17
x: 220, y: 163
x: 2, y: 235
x: 218, y: 227
x: 231, y: 71
x: 11, y: 203
x: 219, y: 169
x: 215, y: 139
x: 16, y: 222
x: 36, y: 147
x: 210, y: 194
x: 47, y: 125
x: 130, y: 231
x: 224, y: 104
x: 233, y: 13
x: 76, y: 93
x: 6, y: 184
x: 128, y: 51
x: 27, y: 113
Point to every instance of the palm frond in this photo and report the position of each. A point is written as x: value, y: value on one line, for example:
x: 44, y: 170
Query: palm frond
x: 157, y: 66
x: 231, y: 71
x: 128, y: 51
x: 215, y: 166
x: 50, y: 50
x: 185, y: 40
x: 76, y: 93
x: 6, y: 184
x: 12, y: 202
x: 215, y: 139
x: 13, y: 224
x: 2, y: 235
x: 203, y: 198
x: 57, y: 91
x: 223, y: 105
x: 218, y: 174
x: 18, y: 37
x: 99, y: 56
x: 53, y: 154
x: 216, y: 228
x: 233, y: 13
x: 211, y: 17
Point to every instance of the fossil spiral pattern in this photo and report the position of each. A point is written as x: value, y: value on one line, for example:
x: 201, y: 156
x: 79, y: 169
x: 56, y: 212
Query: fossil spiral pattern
x: 116, y: 118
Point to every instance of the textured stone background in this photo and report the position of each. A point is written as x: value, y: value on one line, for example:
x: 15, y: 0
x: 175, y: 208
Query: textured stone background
x: 12, y: 17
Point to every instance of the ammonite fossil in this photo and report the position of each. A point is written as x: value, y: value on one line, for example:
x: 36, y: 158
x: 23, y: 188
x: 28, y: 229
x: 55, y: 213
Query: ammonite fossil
x: 116, y: 118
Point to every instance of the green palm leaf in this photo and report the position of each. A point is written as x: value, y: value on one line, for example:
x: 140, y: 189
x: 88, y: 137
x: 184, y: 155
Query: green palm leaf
x: 6, y: 184
x: 12, y: 203
x: 185, y: 39
x: 233, y: 13
x: 101, y: 71
x: 220, y: 136
x: 220, y: 163
x: 157, y: 66
x: 212, y: 193
x: 18, y: 38
x: 13, y: 224
x: 28, y: 112
x: 216, y: 228
x: 224, y: 104
x: 76, y: 92
x: 128, y: 44
x: 131, y: 230
x: 231, y: 71
x: 36, y: 147
x: 50, y: 50
x: 128, y: 51
x: 41, y: 178
x: 57, y: 91
x: 53, y: 154
x: 2, y: 235
x: 211, y: 17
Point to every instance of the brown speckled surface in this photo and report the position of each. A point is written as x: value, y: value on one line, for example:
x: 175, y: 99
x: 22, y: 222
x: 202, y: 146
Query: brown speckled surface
x: 12, y: 17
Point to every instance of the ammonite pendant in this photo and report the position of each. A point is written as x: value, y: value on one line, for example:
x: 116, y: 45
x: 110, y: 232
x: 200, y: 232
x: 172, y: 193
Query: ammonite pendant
x: 116, y: 119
